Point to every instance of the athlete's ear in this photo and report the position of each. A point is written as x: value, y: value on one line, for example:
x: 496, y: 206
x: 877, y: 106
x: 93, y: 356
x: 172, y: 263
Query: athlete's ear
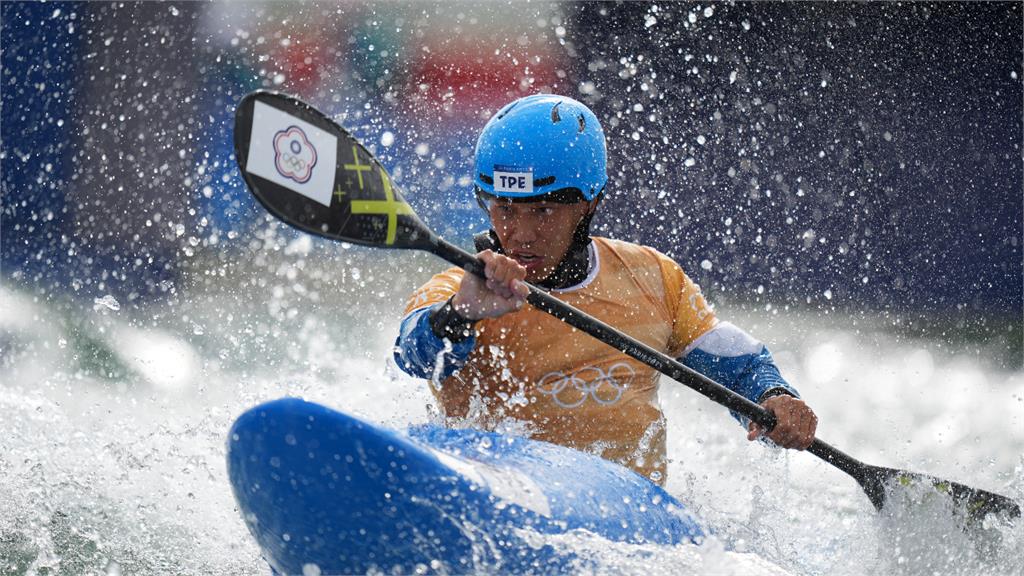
x: 592, y: 205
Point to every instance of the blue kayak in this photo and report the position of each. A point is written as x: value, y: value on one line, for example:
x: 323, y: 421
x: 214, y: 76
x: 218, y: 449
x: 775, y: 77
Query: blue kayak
x: 325, y: 493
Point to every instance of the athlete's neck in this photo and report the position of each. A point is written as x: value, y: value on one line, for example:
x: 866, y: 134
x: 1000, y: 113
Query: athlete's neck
x: 572, y: 270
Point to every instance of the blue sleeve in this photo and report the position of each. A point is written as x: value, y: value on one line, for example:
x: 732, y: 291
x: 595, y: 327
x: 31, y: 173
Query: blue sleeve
x: 418, y: 349
x: 736, y: 360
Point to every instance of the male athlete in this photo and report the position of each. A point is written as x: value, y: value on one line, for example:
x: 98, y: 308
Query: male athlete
x: 540, y: 169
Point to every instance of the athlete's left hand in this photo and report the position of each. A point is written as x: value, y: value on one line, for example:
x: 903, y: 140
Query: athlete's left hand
x: 796, y: 423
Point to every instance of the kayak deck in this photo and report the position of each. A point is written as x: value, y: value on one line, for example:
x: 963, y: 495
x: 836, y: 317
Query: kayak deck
x: 327, y: 493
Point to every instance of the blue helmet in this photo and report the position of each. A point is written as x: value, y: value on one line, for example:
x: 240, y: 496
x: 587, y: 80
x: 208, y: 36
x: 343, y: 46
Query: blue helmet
x: 541, y: 144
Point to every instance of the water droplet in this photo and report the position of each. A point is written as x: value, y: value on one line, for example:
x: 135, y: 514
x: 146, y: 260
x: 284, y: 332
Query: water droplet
x: 108, y: 302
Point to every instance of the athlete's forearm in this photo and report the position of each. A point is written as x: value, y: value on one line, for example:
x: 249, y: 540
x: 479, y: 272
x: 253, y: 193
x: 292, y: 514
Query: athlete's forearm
x: 419, y: 347
x: 736, y: 360
x: 753, y: 376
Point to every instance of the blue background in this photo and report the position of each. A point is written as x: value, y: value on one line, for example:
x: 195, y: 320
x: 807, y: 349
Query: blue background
x: 852, y: 157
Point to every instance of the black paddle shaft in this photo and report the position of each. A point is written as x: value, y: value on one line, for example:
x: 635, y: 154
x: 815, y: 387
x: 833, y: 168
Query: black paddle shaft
x: 616, y: 339
x: 872, y: 479
x: 653, y: 358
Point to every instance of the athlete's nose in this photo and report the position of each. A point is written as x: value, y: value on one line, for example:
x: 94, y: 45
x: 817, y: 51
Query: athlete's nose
x: 523, y: 233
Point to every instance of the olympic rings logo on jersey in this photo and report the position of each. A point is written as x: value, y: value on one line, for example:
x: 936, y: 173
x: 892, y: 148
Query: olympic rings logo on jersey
x: 571, y: 391
x: 294, y: 154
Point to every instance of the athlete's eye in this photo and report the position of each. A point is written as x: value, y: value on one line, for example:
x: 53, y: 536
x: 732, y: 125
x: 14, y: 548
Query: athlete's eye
x: 544, y: 210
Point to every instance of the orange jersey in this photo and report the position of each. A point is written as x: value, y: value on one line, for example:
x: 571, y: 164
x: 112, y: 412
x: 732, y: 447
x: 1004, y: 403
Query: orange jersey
x: 567, y: 387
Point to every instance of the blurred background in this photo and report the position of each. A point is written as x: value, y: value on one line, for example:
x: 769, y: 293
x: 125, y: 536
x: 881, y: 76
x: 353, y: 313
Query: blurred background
x: 844, y: 180
x: 846, y: 156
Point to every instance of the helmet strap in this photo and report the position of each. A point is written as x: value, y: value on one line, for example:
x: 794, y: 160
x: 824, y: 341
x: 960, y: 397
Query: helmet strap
x: 487, y: 240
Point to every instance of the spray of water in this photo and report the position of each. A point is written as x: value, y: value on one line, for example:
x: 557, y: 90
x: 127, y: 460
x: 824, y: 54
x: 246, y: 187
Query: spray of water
x: 113, y: 461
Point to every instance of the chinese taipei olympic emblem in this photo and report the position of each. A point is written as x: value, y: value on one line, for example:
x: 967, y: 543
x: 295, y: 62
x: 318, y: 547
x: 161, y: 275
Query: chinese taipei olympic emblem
x: 294, y: 154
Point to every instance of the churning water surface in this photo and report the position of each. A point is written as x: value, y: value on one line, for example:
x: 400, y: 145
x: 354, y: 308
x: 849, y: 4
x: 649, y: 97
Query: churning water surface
x: 114, y: 416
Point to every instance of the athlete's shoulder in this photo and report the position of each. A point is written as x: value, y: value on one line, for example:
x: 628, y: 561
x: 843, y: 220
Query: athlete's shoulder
x: 438, y: 289
x: 453, y: 274
x: 631, y: 251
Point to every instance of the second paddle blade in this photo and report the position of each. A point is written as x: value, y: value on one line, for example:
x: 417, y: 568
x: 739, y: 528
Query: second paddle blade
x: 310, y: 172
x: 970, y: 504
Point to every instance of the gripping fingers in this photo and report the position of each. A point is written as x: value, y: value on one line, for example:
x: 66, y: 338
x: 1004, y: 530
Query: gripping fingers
x: 790, y: 431
x: 487, y: 257
x: 809, y: 425
x: 781, y: 435
x: 799, y: 427
x: 497, y: 287
x: 521, y: 289
x: 493, y: 274
x: 507, y: 273
x: 798, y: 434
x: 504, y: 276
x: 498, y: 269
x: 796, y: 423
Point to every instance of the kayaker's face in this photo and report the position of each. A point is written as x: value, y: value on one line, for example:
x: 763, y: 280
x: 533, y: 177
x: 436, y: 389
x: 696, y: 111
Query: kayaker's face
x: 536, y: 234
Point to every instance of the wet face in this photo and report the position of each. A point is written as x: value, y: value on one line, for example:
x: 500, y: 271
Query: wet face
x: 536, y: 234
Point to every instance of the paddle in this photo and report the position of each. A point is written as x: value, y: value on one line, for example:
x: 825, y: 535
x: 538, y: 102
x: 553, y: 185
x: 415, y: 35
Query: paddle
x: 312, y: 174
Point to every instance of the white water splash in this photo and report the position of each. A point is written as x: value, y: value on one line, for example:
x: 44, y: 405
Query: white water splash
x: 106, y: 468
x: 107, y: 302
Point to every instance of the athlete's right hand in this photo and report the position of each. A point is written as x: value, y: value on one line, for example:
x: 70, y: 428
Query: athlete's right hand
x: 504, y: 290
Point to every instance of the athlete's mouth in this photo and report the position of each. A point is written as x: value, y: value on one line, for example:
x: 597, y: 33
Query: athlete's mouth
x: 527, y: 259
